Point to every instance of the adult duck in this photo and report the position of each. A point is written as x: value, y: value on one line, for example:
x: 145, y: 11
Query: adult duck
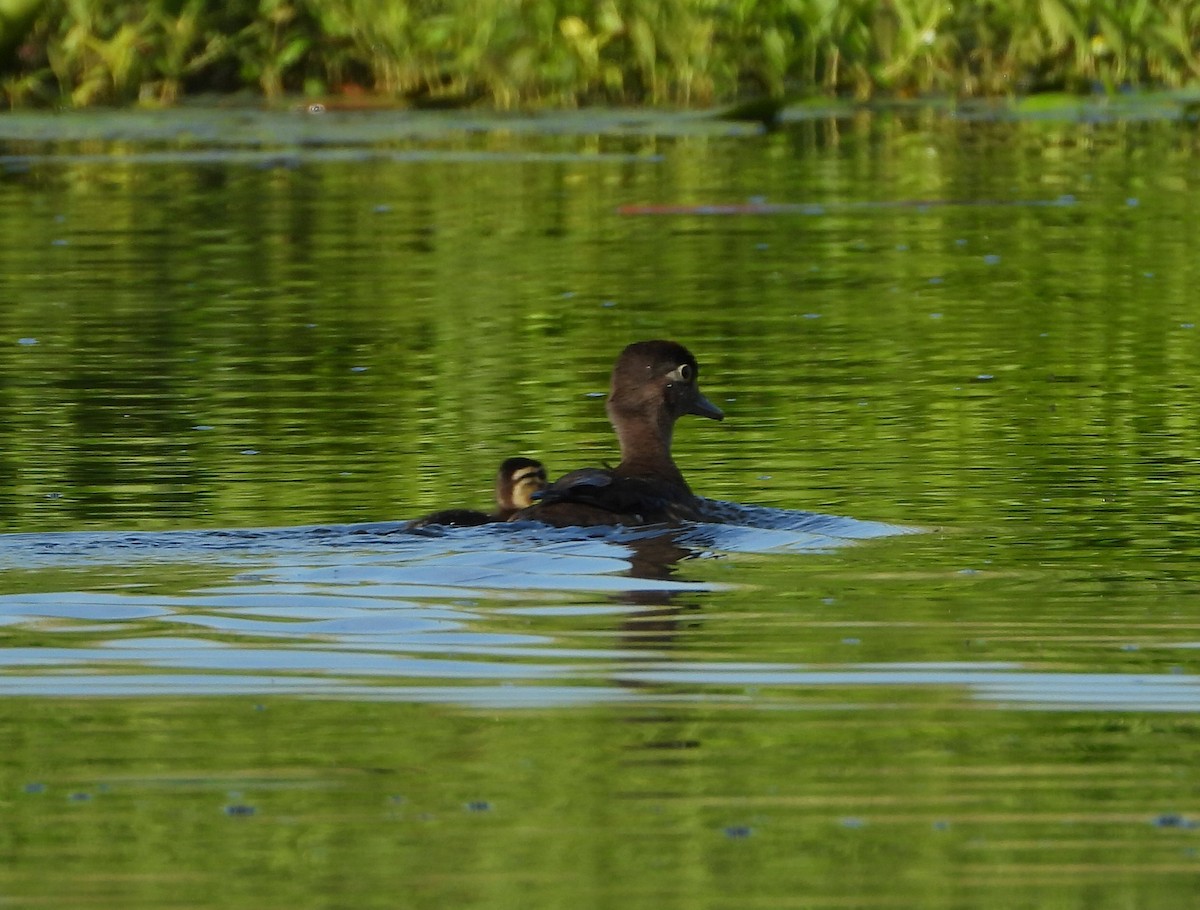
x: 654, y: 383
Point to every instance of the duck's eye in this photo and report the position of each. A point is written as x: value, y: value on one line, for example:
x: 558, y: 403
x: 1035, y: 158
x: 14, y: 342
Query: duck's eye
x: 682, y: 373
x: 316, y: 108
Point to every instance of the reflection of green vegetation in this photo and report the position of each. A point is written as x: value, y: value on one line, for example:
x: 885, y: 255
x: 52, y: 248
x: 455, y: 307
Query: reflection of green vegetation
x: 98, y: 51
x: 225, y: 345
x: 379, y: 805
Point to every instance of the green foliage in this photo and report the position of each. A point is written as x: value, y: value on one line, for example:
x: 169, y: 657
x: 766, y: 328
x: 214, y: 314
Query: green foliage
x: 107, y: 52
x: 83, y: 52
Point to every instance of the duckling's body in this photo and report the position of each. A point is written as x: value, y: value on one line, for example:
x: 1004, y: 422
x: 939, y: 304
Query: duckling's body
x: 516, y: 483
x: 654, y: 383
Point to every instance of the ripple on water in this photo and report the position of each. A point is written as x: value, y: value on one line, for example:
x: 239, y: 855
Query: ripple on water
x: 373, y: 611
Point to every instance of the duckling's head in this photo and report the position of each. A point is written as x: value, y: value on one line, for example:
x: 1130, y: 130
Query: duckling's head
x: 517, y: 481
x: 657, y: 380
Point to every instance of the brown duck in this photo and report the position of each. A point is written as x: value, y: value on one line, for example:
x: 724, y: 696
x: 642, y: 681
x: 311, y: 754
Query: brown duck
x: 654, y: 383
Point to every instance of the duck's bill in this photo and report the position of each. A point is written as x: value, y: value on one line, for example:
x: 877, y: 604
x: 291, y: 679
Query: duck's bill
x: 702, y: 407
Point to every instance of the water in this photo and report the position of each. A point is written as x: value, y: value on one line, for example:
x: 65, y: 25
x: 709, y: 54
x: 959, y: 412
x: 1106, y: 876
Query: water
x: 947, y: 660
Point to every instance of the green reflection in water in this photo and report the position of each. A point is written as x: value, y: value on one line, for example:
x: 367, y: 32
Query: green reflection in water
x: 367, y: 340
x: 229, y: 345
x: 309, y: 804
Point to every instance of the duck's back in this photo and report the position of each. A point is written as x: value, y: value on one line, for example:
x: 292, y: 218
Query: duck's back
x: 603, y: 496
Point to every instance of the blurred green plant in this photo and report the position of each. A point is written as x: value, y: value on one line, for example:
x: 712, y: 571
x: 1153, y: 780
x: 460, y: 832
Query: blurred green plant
x: 82, y: 52
x: 16, y: 17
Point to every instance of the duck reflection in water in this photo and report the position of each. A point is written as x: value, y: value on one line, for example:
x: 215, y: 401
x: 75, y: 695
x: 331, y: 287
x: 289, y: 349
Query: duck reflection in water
x: 662, y: 614
x: 654, y: 383
x: 517, y: 482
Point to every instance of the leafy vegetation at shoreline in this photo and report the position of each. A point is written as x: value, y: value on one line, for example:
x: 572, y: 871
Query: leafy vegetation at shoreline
x: 85, y: 52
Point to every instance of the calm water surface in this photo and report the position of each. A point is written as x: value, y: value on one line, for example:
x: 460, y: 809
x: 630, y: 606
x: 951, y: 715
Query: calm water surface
x: 949, y: 659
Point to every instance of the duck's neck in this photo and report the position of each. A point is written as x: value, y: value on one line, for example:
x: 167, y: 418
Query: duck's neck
x: 646, y: 449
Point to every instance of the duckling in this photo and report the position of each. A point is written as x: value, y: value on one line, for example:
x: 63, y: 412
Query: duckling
x: 517, y: 482
x: 654, y: 383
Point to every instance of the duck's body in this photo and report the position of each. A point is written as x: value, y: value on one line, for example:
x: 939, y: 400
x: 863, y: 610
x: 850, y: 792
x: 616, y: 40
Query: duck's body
x: 653, y: 385
x: 517, y: 481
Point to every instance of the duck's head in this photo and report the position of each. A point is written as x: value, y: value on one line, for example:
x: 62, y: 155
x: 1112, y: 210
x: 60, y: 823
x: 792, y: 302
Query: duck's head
x: 657, y: 380
x: 517, y: 482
